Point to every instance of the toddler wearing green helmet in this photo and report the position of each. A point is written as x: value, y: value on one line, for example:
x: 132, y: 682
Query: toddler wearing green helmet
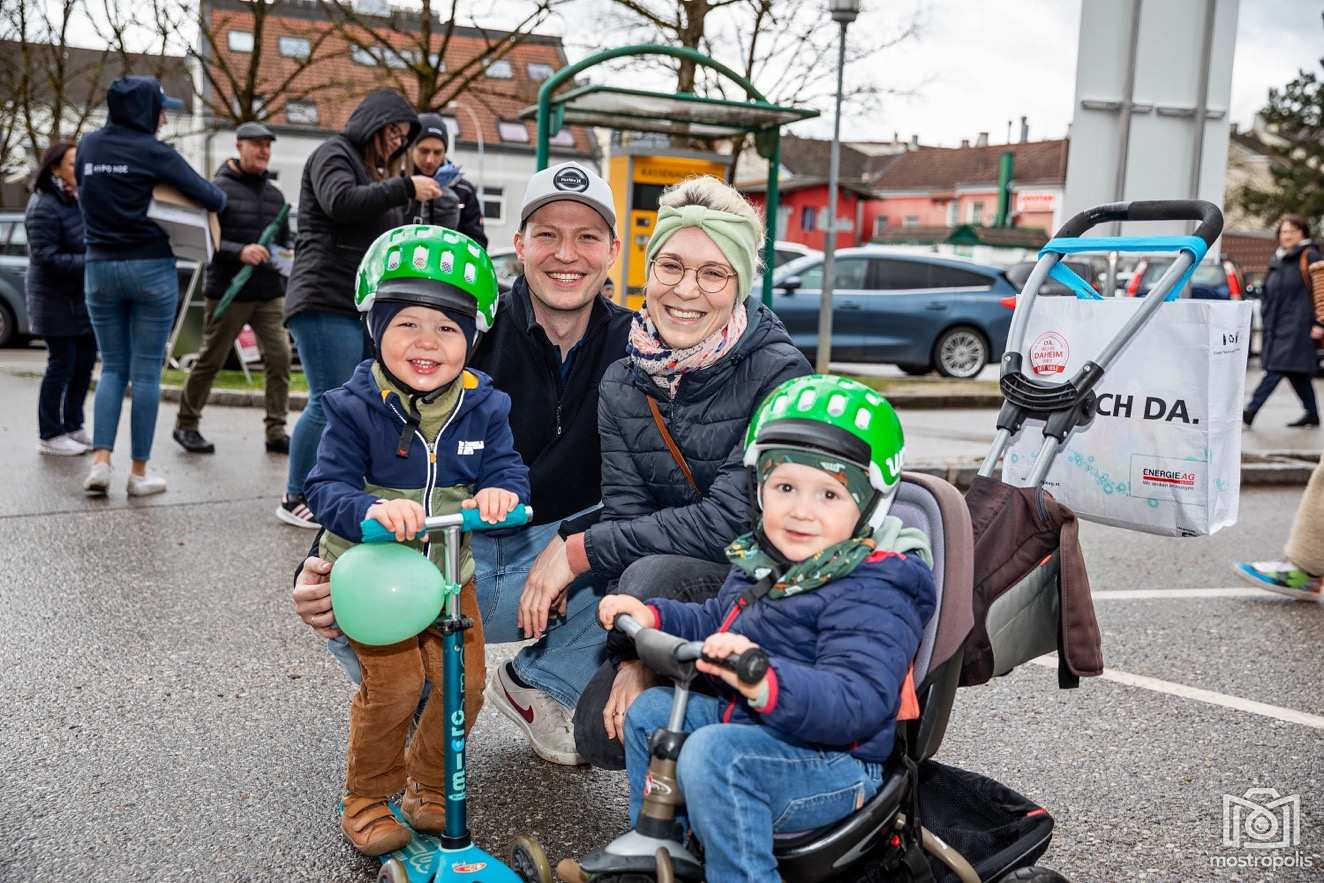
x: 837, y: 593
x: 414, y: 433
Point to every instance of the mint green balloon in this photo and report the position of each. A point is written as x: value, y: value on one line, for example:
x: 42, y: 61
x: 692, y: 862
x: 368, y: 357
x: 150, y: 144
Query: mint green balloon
x: 383, y: 593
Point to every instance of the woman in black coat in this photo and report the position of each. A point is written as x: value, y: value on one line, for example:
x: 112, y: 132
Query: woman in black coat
x: 351, y: 193
x: 55, y: 302
x: 1292, y: 331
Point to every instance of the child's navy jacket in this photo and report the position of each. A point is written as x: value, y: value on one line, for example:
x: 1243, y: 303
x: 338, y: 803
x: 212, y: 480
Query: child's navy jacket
x: 839, y: 654
x: 358, y: 462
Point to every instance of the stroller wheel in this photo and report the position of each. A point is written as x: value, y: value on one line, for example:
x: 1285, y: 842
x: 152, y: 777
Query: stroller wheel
x: 528, y: 860
x: 1033, y: 874
x: 393, y: 872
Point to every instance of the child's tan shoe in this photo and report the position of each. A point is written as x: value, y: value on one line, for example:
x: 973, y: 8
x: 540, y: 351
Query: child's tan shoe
x: 424, y: 808
x: 370, y: 827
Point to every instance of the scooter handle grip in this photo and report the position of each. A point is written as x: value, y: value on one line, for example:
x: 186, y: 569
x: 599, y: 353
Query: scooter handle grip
x: 750, y: 666
x: 465, y: 519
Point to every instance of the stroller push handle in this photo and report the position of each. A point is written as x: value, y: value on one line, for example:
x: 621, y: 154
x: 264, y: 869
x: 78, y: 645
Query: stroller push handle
x: 466, y: 520
x: 1208, y: 214
x: 675, y: 657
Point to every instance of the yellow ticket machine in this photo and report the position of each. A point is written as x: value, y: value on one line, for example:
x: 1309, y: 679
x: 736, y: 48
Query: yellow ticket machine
x: 638, y: 174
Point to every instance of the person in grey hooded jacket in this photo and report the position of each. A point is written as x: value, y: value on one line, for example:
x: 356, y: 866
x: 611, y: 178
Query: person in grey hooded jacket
x: 351, y: 193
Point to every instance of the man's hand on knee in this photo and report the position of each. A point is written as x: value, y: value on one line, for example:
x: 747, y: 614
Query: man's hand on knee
x: 545, y: 587
x: 312, y: 597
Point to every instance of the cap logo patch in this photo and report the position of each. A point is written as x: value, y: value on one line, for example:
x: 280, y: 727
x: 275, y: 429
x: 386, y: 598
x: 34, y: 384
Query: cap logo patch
x: 570, y: 178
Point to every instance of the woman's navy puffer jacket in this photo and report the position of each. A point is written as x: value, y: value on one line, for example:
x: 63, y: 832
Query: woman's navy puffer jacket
x: 649, y: 507
x: 55, y: 264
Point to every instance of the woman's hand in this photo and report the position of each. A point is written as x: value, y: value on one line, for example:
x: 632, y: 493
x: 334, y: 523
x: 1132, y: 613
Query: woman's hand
x: 544, y: 587
x: 613, y: 606
x: 720, y: 646
x: 404, y: 518
x: 425, y: 188
x: 632, y: 678
x: 312, y: 597
x: 493, y: 504
x: 1317, y: 332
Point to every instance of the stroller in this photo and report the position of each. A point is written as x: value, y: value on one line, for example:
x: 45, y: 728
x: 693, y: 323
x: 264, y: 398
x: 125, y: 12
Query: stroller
x: 1010, y: 586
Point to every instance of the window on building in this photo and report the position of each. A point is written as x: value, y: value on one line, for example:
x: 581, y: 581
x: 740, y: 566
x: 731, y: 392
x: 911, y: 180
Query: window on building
x: 500, y: 70
x: 539, y: 72
x: 880, y: 225
x: 360, y: 55
x: 494, y: 204
x: 301, y: 113
x: 976, y: 213
x: 563, y: 138
x: 953, y: 213
x: 807, y: 218
x: 241, y: 41
x: 259, y: 106
x: 375, y: 55
x: 295, y: 47
x: 510, y: 130
x: 910, y: 221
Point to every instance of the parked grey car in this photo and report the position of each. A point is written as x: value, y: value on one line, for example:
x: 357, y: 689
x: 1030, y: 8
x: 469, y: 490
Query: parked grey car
x: 918, y: 312
x: 14, y: 326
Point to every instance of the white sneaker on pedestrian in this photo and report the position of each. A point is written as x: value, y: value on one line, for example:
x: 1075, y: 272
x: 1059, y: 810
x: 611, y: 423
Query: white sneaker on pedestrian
x: 146, y: 485
x: 81, y: 436
x: 546, y: 723
x: 61, y: 446
x: 98, y: 479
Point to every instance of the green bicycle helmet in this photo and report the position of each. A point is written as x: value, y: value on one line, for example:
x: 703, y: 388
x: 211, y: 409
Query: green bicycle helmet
x: 430, y: 266
x: 838, y: 416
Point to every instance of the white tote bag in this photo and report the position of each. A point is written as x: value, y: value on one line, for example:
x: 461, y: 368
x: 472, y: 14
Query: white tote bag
x: 1163, y: 452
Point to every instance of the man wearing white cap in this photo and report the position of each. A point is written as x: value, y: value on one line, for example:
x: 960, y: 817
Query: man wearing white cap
x: 553, y: 339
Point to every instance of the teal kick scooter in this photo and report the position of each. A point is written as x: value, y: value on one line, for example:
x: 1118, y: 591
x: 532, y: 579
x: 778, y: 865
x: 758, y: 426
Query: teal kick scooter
x: 453, y: 856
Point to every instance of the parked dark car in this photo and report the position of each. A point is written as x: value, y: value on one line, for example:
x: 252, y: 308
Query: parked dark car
x: 1220, y: 281
x: 915, y: 311
x: 14, y: 327
x: 1095, y: 273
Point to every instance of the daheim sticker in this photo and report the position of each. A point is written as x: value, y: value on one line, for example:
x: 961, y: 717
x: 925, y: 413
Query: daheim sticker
x: 1049, y: 353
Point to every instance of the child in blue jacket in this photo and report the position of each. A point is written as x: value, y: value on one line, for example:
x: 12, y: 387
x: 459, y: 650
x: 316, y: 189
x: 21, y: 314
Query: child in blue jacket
x: 836, y: 594
x: 413, y: 434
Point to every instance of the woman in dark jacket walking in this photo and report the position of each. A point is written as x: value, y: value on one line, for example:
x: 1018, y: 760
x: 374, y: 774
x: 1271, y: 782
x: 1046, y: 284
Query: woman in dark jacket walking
x: 351, y: 193
x: 1292, y: 330
x: 702, y: 357
x: 55, y: 302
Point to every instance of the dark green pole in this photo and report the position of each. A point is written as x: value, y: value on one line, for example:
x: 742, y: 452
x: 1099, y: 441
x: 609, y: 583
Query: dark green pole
x: 1004, y: 188
x: 770, y: 216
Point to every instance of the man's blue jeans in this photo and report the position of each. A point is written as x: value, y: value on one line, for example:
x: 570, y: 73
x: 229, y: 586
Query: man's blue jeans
x: 131, y: 305
x: 743, y: 783
x: 559, y: 664
x: 331, y: 346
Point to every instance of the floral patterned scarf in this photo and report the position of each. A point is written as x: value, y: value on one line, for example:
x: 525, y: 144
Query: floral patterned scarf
x: 655, y: 357
x: 834, y: 562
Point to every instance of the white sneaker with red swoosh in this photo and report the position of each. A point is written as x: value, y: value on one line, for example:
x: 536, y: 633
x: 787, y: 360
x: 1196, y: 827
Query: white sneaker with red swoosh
x: 546, y: 723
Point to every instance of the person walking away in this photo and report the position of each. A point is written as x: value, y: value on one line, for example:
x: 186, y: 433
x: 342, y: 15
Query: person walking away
x: 351, y: 193
x: 54, y: 291
x: 1293, y: 323
x: 458, y: 206
x: 131, y: 284
x: 253, y: 202
x: 1301, y: 573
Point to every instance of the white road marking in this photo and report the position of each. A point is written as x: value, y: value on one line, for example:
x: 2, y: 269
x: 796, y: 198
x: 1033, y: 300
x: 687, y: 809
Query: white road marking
x: 1277, y: 712
x: 1155, y: 594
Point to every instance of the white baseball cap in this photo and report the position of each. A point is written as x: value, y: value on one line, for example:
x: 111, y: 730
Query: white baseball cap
x: 569, y: 181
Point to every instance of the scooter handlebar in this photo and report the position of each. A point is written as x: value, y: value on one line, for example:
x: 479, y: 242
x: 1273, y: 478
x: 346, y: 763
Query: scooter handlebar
x: 662, y: 652
x: 466, y: 520
x: 1208, y: 214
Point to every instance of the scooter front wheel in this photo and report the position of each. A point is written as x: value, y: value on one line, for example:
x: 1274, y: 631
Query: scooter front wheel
x: 529, y: 861
x: 393, y: 872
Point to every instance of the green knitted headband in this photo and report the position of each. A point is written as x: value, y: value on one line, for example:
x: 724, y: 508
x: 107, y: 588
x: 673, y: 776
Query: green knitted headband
x: 736, y: 236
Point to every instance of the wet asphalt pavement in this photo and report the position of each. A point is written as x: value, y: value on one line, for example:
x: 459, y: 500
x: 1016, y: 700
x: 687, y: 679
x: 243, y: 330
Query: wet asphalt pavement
x: 168, y: 718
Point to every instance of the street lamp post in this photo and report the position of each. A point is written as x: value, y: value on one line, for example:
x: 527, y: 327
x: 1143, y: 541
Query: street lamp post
x: 843, y: 13
x: 473, y: 118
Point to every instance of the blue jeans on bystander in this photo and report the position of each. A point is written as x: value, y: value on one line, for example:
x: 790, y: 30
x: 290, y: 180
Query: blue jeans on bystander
x: 132, y: 306
x: 743, y: 783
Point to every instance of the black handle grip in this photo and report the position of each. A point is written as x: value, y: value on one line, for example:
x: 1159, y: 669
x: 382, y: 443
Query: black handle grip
x: 749, y: 666
x: 1208, y: 214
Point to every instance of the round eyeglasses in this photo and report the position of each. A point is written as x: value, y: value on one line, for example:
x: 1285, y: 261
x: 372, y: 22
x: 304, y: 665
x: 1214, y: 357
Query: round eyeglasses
x: 711, y: 278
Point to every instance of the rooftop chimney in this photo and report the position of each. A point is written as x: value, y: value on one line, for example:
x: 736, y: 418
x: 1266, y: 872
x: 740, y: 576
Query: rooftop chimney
x: 983, y: 140
x: 1025, y: 129
x: 965, y: 142
x: 914, y: 140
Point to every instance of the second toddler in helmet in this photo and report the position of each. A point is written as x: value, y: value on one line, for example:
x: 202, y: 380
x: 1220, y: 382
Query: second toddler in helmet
x: 837, y: 593
x: 413, y: 434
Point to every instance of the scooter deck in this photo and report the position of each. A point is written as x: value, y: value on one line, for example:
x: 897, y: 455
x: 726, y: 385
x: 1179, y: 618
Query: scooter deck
x: 427, y: 861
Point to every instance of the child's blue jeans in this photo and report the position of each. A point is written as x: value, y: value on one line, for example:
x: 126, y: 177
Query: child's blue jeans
x: 743, y: 783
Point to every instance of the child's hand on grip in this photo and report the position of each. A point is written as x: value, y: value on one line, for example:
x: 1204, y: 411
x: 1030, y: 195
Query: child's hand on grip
x: 720, y: 646
x: 493, y: 504
x: 404, y: 518
x: 613, y: 606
